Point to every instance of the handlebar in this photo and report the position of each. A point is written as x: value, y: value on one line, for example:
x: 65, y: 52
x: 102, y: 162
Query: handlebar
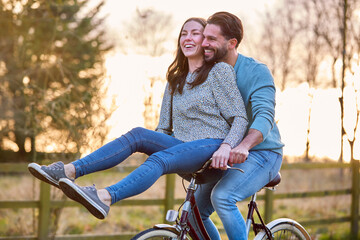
x: 228, y: 167
x: 239, y: 169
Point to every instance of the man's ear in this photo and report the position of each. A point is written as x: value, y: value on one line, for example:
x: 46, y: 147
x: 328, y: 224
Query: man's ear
x: 232, y: 43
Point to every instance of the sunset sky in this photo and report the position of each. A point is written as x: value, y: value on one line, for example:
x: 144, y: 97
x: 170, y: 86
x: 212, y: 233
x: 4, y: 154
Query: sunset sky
x: 181, y: 10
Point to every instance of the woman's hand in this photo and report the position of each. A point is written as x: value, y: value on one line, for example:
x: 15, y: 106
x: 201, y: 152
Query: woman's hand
x: 220, y: 158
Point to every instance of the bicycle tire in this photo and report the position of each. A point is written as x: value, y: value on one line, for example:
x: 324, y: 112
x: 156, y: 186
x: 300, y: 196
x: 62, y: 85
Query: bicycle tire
x: 155, y: 234
x: 284, y: 229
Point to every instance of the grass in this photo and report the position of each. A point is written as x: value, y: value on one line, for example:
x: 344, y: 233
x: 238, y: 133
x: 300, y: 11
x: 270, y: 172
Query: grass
x: 123, y: 219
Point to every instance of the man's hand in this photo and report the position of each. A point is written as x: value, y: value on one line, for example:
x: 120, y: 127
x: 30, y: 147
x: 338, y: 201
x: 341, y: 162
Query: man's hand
x: 220, y: 158
x: 238, y: 154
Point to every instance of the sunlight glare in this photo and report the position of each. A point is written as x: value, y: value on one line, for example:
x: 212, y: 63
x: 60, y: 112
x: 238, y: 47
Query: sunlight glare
x: 129, y: 79
x: 130, y: 74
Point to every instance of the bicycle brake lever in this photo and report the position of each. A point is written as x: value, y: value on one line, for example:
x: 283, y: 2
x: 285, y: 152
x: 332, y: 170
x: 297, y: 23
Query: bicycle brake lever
x: 228, y: 167
x: 239, y: 169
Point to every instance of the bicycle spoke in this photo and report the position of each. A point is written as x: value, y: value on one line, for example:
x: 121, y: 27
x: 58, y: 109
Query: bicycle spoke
x: 285, y: 235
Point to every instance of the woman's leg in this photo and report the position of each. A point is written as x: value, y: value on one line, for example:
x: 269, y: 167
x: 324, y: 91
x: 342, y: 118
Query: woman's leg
x: 111, y: 154
x: 181, y: 158
x: 260, y: 168
x: 137, y: 140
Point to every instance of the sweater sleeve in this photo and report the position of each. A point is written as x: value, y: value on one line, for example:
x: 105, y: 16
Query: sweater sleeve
x: 165, y: 120
x: 230, y: 102
x: 262, y: 101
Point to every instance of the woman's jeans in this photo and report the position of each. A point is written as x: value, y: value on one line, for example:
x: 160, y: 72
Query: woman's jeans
x: 260, y: 168
x: 166, y: 155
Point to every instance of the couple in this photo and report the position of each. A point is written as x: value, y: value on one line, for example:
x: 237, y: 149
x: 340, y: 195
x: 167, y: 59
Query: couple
x: 217, y: 104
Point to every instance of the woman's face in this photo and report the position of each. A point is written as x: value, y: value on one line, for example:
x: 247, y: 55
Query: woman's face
x: 191, y: 38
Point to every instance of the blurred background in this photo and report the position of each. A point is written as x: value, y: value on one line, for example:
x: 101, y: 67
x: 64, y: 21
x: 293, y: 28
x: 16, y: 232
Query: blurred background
x: 77, y: 74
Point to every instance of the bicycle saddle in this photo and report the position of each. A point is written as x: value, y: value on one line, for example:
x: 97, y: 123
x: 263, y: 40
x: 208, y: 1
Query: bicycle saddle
x: 204, y: 174
x: 276, y: 180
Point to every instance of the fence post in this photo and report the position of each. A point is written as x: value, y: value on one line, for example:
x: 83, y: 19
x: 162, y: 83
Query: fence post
x: 44, y: 211
x: 169, y: 193
x: 269, y: 203
x: 355, y: 199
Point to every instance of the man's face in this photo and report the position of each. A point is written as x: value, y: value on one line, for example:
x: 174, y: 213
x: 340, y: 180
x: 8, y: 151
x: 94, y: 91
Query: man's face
x: 214, y: 44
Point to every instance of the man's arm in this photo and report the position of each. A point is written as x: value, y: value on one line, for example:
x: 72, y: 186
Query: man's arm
x: 240, y: 152
x: 262, y: 99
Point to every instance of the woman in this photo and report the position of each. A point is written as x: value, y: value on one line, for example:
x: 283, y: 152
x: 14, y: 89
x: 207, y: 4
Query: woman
x: 201, y: 115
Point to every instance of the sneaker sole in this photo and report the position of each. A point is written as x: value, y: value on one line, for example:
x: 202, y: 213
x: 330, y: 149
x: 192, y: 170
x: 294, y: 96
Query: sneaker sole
x: 73, y: 192
x: 37, y: 172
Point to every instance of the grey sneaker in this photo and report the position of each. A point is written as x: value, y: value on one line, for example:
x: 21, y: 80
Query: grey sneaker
x: 87, y: 196
x: 50, y: 174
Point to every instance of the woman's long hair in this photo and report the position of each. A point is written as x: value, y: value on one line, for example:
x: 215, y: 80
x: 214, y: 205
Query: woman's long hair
x: 179, y: 68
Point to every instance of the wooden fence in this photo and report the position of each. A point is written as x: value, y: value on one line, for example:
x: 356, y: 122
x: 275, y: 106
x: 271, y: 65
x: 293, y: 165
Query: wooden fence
x: 44, y: 204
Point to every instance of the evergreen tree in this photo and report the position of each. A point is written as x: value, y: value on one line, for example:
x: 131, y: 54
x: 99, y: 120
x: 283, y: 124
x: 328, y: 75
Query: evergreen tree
x: 51, y: 75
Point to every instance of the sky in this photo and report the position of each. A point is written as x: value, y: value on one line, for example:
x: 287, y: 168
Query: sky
x: 181, y: 10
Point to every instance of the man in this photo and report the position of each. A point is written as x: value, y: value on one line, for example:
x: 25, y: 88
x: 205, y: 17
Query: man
x: 260, y: 152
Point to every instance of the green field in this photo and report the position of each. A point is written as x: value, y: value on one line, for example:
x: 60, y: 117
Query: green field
x: 124, y: 219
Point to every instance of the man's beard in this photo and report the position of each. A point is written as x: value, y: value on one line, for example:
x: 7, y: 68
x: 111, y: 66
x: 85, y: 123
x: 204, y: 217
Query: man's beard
x: 219, y: 54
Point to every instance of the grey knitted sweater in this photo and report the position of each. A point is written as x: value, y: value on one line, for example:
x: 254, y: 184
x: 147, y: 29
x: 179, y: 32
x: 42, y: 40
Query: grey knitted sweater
x: 213, y: 109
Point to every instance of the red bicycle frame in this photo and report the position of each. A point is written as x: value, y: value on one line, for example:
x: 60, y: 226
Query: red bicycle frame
x: 185, y: 223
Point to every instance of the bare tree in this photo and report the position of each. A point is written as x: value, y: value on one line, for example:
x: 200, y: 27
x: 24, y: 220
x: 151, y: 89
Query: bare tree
x: 147, y: 34
x: 312, y: 41
x: 280, y: 30
x: 301, y: 35
x: 353, y: 49
x: 148, y: 31
x: 336, y: 29
x: 336, y: 26
x: 353, y: 24
x: 313, y: 55
x: 151, y: 113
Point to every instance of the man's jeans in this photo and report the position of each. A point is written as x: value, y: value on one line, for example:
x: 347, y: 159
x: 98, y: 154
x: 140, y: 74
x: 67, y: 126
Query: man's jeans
x: 260, y: 168
x: 166, y: 155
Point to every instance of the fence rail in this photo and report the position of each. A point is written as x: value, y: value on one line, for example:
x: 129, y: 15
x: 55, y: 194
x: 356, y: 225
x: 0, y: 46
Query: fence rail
x: 44, y: 204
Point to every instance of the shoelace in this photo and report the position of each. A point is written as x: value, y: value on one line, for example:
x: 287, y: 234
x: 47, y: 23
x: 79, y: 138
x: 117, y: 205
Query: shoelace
x: 91, y: 188
x: 55, y: 167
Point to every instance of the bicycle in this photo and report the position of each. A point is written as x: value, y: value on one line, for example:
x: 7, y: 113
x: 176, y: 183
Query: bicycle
x: 282, y: 228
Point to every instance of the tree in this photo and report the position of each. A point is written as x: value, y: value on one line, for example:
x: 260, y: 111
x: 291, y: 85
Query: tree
x: 146, y: 34
x: 278, y: 41
x: 354, y: 31
x: 339, y: 18
x: 148, y: 31
x: 351, y: 50
x: 301, y: 35
x: 313, y: 55
x: 51, y: 69
x: 151, y: 113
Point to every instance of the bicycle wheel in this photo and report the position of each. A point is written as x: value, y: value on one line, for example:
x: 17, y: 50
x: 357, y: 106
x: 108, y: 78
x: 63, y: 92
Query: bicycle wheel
x: 284, y: 229
x: 156, y: 234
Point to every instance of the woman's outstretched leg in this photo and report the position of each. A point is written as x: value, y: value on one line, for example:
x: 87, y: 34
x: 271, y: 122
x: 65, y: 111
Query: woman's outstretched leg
x: 109, y: 155
x: 182, y: 158
x: 137, y: 140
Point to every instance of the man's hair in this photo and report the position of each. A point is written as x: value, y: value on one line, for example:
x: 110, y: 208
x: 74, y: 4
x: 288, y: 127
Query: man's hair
x: 230, y: 25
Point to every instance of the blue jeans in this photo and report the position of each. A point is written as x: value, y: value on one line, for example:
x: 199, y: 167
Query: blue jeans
x: 260, y: 168
x: 166, y: 155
